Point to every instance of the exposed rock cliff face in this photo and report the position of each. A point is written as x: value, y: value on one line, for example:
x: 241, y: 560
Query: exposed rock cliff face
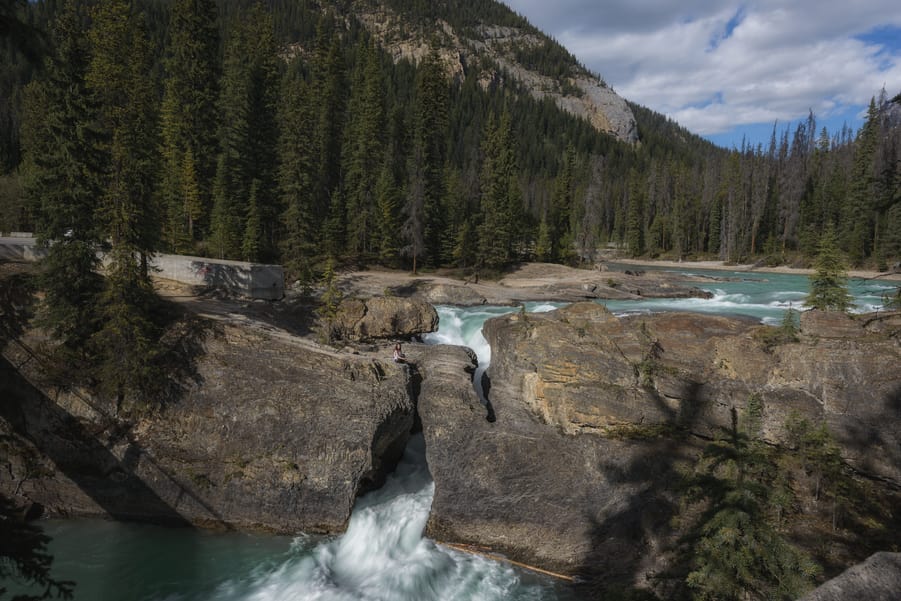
x: 516, y: 486
x: 552, y: 480
x: 271, y: 433
x: 580, y: 93
x: 582, y: 370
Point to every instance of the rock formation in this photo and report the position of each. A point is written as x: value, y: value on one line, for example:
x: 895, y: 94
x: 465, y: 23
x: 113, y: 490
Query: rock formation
x: 572, y: 474
x: 362, y: 320
x: 876, y: 579
x: 266, y: 432
x: 582, y: 370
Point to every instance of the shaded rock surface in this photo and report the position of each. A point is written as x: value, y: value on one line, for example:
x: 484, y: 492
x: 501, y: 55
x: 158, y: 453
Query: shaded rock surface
x: 516, y: 486
x: 269, y: 433
x: 554, y: 482
x: 582, y: 370
x: 876, y: 579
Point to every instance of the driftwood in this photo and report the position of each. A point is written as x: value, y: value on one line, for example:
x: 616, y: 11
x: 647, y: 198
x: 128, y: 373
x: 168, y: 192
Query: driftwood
x: 487, y: 552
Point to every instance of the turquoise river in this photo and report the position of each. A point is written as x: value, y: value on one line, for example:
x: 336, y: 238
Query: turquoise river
x: 383, y: 556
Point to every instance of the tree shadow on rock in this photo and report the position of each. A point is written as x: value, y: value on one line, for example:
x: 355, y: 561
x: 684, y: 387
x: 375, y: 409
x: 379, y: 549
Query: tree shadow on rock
x: 625, y: 543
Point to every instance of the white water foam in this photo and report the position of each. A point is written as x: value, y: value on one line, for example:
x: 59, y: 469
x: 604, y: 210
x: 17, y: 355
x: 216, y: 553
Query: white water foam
x: 384, y: 557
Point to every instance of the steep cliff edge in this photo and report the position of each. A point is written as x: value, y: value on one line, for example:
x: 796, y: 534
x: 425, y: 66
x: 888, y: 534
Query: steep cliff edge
x: 594, y: 419
x: 268, y: 432
x: 583, y: 370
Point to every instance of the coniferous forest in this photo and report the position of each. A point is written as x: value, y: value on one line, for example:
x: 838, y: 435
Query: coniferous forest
x: 281, y: 132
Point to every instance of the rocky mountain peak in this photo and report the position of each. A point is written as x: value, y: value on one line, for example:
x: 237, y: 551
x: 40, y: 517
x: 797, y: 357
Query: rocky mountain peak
x: 492, y: 52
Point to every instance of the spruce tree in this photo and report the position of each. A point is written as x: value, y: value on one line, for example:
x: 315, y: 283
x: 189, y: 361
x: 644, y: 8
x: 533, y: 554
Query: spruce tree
x: 634, y: 217
x: 364, y: 148
x: 297, y: 169
x: 424, y: 223
x: 248, y: 134
x: 117, y: 76
x: 829, y: 282
x: 388, y: 220
x: 736, y: 549
x: 62, y: 169
x: 857, y: 218
x: 501, y: 197
x: 188, y: 117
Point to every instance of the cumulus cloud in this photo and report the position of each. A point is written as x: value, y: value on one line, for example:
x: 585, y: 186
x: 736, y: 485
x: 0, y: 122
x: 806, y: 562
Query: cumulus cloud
x: 715, y: 66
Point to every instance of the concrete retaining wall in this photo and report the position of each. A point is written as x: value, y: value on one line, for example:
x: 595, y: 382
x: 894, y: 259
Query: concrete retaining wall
x: 250, y: 280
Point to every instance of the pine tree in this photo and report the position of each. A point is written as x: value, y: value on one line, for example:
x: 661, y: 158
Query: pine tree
x: 127, y: 343
x: 364, y: 150
x: 424, y: 223
x: 388, y: 222
x: 252, y: 245
x: 248, y: 134
x: 559, y: 220
x: 297, y: 168
x: 329, y: 302
x: 634, y: 217
x: 737, y: 553
x: 226, y: 232
x: 829, y: 283
x: 329, y: 95
x: 858, y: 207
x: 188, y: 116
x: 62, y: 169
x: 501, y: 198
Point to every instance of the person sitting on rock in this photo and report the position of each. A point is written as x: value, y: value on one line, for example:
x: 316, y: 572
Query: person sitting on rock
x: 399, y: 356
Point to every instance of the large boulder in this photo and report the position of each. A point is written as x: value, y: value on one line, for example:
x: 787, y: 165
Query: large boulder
x: 570, y: 466
x: 362, y: 320
x: 583, y: 370
x: 267, y: 432
x: 507, y: 483
x: 876, y: 579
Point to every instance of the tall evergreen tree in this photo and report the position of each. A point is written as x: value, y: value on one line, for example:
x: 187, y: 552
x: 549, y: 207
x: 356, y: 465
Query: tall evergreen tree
x: 188, y: 117
x: 561, y: 210
x: 329, y: 95
x: 858, y: 208
x: 118, y: 78
x: 501, y: 196
x: 738, y: 554
x: 297, y: 170
x: 364, y: 150
x: 62, y: 167
x: 248, y: 134
x: 426, y: 169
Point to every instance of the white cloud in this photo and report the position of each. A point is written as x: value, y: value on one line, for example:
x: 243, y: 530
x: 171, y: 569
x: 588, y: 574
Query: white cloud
x: 714, y: 66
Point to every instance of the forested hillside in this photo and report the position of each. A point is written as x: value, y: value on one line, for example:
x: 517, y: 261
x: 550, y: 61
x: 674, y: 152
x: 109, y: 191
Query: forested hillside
x: 285, y: 132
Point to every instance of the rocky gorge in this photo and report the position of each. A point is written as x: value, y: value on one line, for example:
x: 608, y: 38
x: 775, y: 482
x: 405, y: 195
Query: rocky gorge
x: 570, y: 466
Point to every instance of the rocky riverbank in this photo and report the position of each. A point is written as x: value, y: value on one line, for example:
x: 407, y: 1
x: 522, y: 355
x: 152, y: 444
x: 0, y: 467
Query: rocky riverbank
x: 571, y: 467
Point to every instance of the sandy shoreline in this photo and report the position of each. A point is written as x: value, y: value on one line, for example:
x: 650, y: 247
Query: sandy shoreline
x: 721, y: 266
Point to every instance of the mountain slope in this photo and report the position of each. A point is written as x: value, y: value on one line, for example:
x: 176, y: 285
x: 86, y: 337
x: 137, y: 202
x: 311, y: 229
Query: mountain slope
x: 491, y: 42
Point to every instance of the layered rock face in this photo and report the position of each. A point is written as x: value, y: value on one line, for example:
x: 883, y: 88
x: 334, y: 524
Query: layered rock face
x: 266, y: 433
x: 571, y: 476
x: 583, y: 370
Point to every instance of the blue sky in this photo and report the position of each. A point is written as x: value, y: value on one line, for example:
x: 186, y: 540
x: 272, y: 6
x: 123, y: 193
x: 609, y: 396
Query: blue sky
x: 731, y: 69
